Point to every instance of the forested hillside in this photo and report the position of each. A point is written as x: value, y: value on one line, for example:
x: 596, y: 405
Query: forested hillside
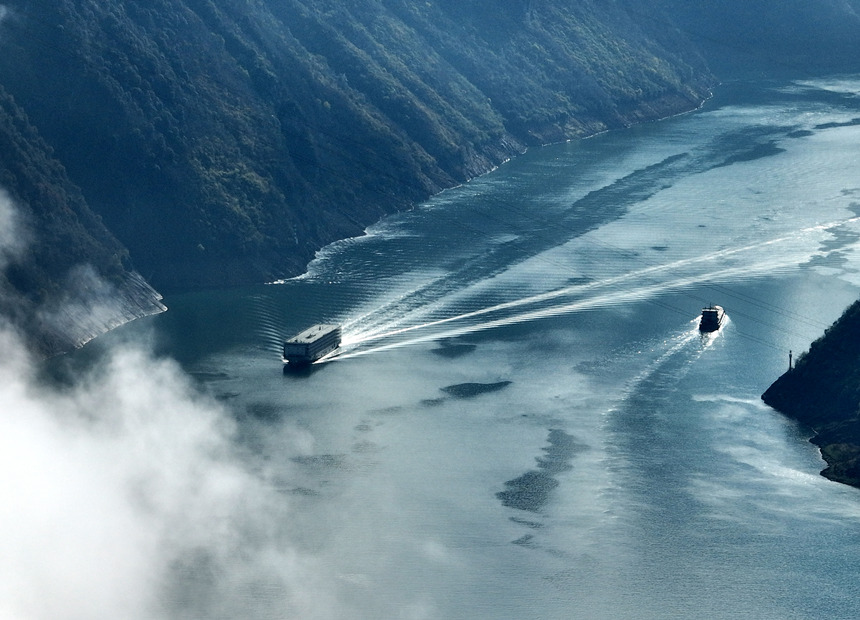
x: 226, y: 141
x: 63, y: 277
x: 823, y: 392
x: 216, y: 142
x: 765, y: 36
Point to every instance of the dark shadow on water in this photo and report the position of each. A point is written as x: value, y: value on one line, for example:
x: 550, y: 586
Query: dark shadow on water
x: 528, y: 492
x: 579, y: 280
x: 322, y: 461
x: 759, y: 151
x: 226, y: 396
x: 262, y: 411
x: 841, y: 238
x: 852, y: 123
x: 528, y: 523
x: 469, y: 390
x: 525, y: 541
x: 532, y: 490
x: 451, y: 349
x: 301, y: 371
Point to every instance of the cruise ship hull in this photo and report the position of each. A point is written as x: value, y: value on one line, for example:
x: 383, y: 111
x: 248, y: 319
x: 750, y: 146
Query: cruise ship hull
x: 312, y: 344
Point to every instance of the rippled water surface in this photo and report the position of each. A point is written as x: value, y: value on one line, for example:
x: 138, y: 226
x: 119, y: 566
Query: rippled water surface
x: 524, y: 421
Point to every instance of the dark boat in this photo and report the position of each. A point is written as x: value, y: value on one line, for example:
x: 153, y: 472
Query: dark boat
x: 712, y: 318
x: 312, y: 344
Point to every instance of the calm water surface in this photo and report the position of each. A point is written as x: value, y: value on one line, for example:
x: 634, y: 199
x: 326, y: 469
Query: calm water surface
x: 524, y: 421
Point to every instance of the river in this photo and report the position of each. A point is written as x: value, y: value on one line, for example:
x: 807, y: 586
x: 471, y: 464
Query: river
x: 524, y: 421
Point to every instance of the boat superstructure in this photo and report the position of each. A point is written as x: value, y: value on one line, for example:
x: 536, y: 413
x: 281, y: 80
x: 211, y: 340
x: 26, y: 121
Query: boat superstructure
x: 311, y: 344
x: 712, y: 318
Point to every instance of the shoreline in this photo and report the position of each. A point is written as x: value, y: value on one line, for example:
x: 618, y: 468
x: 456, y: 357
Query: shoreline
x: 131, y: 307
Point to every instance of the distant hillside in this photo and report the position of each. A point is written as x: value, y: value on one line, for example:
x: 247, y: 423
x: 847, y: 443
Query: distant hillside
x: 823, y: 392
x: 755, y: 36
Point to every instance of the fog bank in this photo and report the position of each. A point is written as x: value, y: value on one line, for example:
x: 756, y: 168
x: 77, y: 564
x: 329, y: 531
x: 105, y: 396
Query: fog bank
x: 124, y: 490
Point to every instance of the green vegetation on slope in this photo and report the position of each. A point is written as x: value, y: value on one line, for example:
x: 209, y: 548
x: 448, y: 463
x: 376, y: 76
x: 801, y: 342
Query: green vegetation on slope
x: 49, y: 234
x: 224, y: 142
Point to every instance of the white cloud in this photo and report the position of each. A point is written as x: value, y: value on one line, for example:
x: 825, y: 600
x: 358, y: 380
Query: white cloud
x: 122, y: 494
x: 123, y: 491
x: 111, y: 488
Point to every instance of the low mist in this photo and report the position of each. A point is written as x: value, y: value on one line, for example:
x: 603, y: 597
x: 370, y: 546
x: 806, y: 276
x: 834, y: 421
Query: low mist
x: 13, y: 234
x: 125, y: 495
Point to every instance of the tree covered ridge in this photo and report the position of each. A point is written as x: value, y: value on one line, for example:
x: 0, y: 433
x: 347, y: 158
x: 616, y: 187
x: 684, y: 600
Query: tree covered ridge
x: 224, y: 142
x: 54, y: 250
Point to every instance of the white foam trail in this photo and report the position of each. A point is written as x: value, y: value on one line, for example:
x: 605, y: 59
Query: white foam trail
x: 624, y: 294
x: 678, y: 345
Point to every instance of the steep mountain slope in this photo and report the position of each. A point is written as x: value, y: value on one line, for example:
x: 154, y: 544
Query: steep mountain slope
x: 224, y: 142
x: 63, y: 277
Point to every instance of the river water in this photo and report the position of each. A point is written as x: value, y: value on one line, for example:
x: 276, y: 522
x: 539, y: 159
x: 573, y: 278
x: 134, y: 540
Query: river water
x: 524, y: 421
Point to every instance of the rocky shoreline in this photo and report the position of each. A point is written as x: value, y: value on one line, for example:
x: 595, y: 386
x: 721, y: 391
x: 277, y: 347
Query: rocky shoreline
x: 822, y: 391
